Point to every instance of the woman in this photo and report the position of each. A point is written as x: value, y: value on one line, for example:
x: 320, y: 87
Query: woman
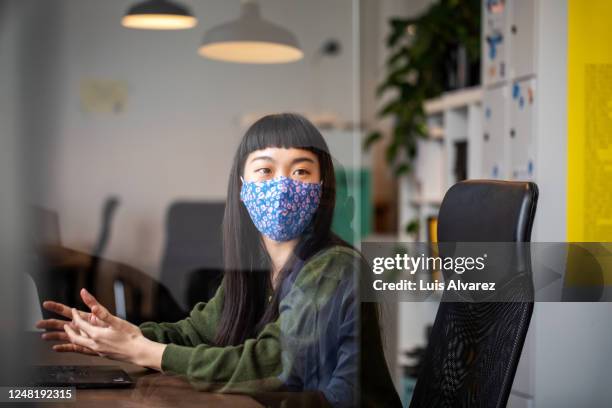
x: 285, y: 316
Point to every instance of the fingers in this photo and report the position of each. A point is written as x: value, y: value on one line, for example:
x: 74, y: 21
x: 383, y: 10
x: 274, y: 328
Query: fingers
x: 73, y: 348
x: 55, y: 336
x: 61, y: 309
x: 87, y: 329
x: 88, y: 298
x: 78, y: 339
x: 93, y: 320
x: 57, y: 308
x: 57, y: 329
x: 51, y: 324
x: 102, y: 315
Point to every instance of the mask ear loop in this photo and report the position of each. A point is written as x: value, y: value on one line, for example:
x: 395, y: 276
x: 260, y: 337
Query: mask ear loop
x: 241, y: 187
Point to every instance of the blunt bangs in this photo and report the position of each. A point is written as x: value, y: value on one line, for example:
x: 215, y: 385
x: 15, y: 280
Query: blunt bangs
x: 283, y: 130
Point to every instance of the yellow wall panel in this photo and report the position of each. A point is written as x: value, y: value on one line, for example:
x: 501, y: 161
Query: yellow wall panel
x: 589, y: 189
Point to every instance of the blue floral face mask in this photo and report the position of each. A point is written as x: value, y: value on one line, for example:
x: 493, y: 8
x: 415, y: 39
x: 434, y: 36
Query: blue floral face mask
x: 281, y: 208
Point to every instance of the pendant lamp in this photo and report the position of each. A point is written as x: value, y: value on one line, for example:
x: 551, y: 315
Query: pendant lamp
x: 158, y: 15
x: 250, y: 39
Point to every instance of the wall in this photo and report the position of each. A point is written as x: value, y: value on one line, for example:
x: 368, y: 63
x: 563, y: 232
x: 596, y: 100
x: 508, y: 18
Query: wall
x: 551, y: 126
x: 182, y: 120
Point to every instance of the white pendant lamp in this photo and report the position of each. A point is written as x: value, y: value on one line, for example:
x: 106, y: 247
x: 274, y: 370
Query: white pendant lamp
x: 158, y: 15
x: 250, y: 39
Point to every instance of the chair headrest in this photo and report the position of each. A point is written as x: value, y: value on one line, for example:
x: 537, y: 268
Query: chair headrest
x: 488, y: 211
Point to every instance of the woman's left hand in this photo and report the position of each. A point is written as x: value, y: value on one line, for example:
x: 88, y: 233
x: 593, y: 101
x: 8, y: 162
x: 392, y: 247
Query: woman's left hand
x: 119, y: 340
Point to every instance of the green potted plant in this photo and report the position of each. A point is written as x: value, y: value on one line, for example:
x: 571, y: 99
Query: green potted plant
x: 422, y: 64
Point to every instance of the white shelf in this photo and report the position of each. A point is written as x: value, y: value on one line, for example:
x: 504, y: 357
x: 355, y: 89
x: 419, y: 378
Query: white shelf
x: 423, y: 201
x: 453, y: 117
x: 453, y: 100
x: 436, y: 132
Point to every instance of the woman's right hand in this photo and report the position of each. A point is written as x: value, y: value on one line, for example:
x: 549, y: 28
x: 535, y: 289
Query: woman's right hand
x: 55, y: 327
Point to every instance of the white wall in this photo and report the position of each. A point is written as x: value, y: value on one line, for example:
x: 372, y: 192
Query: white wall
x: 178, y: 134
x: 551, y: 123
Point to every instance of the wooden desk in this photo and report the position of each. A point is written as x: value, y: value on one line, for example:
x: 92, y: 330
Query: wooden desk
x: 152, y: 388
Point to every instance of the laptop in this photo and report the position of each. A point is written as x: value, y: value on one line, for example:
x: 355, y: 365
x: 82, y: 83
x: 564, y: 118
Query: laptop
x: 80, y: 376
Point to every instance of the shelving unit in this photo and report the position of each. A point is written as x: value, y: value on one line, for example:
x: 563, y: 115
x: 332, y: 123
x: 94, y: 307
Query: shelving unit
x: 455, y: 117
x: 452, y: 118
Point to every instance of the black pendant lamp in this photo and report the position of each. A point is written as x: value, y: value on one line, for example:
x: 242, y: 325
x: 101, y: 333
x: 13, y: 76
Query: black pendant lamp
x: 158, y: 15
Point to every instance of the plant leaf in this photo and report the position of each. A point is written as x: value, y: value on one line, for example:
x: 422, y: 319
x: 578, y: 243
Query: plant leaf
x: 391, y: 151
x: 371, y: 139
x: 417, y: 69
x: 412, y: 227
x: 403, y: 168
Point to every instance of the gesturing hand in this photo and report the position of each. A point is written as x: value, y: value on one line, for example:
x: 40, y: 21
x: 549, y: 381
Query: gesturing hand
x: 116, y: 340
x: 112, y: 337
x: 100, y: 333
x: 55, y: 327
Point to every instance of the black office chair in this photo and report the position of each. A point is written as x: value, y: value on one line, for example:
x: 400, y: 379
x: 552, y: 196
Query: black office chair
x: 192, y: 263
x: 474, y: 348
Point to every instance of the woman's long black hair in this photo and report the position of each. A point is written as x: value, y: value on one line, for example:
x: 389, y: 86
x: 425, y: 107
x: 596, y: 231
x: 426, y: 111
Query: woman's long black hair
x: 247, y: 264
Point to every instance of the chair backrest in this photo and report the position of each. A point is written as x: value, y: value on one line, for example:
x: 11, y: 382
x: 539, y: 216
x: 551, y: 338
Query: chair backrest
x: 488, y: 211
x: 45, y: 229
x: 193, y: 243
x: 474, y: 348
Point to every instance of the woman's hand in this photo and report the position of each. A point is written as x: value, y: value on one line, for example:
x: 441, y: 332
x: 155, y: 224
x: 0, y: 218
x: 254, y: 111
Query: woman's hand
x: 112, y: 337
x: 55, y: 327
